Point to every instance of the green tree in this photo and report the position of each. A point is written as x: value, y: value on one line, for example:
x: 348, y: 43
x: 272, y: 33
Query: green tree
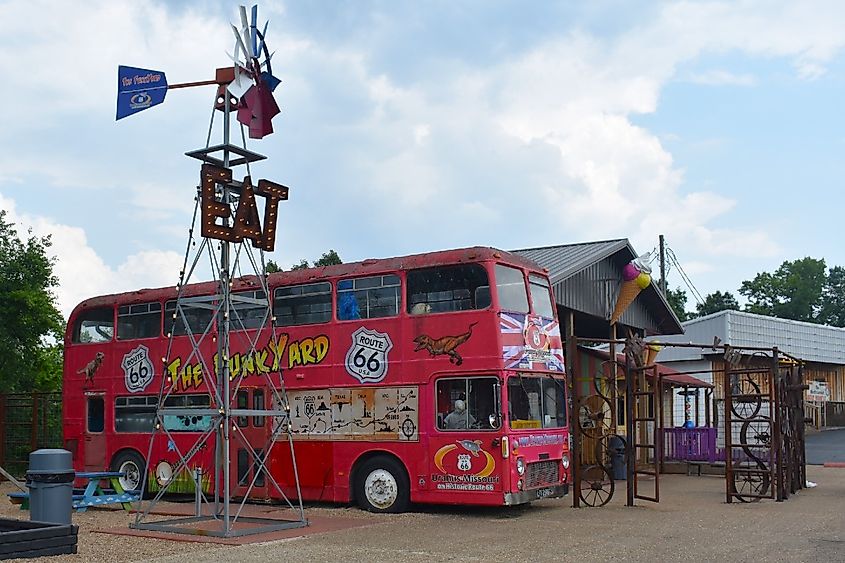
x: 329, y: 258
x: 303, y: 264
x: 717, y: 301
x: 31, y: 326
x: 793, y: 291
x: 677, y: 299
x: 833, y: 298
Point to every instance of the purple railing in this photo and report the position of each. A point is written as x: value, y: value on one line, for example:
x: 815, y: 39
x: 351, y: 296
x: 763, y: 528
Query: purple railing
x: 689, y: 444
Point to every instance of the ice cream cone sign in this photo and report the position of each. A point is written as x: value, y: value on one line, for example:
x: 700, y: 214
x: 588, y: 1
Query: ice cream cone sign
x: 636, y: 276
x: 651, y: 351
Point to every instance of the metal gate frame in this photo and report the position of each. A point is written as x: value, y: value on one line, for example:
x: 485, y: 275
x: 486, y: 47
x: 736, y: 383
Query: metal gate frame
x: 786, y: 467
x: 638, y: 390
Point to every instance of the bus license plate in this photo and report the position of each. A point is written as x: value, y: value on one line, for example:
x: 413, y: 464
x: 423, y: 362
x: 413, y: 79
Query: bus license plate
x: 547, y: 492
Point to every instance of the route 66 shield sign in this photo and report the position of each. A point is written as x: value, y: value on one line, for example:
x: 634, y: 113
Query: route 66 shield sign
x: 137, y: 369
x: 366, y: 359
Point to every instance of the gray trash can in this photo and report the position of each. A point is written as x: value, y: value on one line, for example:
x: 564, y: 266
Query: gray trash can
x: 617, y: 457
x: 50, y: 481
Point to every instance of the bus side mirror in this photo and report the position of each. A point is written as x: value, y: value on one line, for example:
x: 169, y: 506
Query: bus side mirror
x: 493, y: 419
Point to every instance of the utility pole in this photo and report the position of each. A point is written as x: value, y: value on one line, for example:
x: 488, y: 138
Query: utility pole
x: 662, y: 266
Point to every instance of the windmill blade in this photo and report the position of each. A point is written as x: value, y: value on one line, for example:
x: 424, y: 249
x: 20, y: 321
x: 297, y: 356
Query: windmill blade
x: 266, y: 63
x: 240, y: 84
x: 271, y: 81
x: 253, y: 31
x: 240, y: 43
x: 262, y: 36
x: 245, y: 31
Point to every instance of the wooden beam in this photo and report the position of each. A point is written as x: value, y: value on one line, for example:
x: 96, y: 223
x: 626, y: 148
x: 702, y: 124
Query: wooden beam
x: 13, y: 481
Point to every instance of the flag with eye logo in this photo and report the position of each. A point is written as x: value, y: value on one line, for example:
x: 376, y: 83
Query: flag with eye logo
x: 139, y: 89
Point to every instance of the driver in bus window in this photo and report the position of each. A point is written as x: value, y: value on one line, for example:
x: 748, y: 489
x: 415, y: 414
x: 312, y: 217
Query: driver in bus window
x: 459, y: 418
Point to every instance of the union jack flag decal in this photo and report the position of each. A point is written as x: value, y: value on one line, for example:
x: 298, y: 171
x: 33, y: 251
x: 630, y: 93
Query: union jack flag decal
x: 530, y: 342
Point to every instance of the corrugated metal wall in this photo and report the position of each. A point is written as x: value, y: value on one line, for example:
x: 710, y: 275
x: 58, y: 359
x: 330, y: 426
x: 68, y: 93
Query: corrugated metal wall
x: 807, y: 341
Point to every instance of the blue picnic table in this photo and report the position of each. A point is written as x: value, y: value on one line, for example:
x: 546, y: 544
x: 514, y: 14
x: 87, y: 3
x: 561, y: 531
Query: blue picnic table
x: 94, y: 493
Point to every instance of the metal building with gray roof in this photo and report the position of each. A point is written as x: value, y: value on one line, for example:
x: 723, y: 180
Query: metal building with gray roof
x: 586, y: 278
x: 820, y: 347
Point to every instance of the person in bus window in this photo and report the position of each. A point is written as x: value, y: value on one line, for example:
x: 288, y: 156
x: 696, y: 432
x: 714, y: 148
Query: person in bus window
x: 347, y: 303
x: 459, y: 417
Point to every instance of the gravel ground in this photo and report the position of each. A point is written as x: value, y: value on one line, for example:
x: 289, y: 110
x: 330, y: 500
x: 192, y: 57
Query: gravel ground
x: 691, y: 523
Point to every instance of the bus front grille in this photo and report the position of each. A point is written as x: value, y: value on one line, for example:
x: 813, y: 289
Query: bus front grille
x: 542, y: 473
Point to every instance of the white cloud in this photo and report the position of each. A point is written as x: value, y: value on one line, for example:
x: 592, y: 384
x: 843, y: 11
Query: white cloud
x: 547, y: 133
x: 81, y: 272
x: 722, y: 78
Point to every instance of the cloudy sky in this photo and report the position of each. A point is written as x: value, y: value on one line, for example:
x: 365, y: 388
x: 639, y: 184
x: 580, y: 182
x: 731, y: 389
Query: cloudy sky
x: 416, y: 126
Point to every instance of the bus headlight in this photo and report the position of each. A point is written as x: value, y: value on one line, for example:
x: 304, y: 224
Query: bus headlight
x: 565, y: 461
x: 520, y: 466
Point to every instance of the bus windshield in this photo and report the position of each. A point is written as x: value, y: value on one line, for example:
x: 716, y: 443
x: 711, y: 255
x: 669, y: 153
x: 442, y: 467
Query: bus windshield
x: 536, y: 401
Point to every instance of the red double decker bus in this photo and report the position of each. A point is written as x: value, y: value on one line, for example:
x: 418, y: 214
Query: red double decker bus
x: 432, y: 378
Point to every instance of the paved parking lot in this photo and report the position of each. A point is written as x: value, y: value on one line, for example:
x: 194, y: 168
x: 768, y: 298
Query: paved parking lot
x: 826, y: 446
x: 692, y: 523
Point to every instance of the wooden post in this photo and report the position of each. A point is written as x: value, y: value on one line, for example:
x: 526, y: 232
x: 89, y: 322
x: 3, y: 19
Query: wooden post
x: 13, y: 481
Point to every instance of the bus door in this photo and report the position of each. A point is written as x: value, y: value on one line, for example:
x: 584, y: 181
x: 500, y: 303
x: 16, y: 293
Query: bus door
x: 465, y: 449
x: 256, y: 432
x: 94, y: 452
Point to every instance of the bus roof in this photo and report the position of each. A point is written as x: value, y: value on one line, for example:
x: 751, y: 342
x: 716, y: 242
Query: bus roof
x: 306, y: 275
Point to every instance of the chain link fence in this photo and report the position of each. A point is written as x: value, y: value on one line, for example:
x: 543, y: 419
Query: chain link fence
x: 28, y: 421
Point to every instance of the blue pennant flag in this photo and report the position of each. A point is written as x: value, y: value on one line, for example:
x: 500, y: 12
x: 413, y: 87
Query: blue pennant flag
x: 138, y: 89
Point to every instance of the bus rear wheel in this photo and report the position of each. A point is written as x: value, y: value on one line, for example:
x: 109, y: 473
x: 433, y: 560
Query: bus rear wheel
x: 132, y: 464
x: 382, y: 486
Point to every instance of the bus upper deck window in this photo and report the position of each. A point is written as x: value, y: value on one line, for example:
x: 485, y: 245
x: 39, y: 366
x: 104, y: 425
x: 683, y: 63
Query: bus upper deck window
x: 94, y: 325
x: 250, y: 309
x: 541, y: 296
x: 139, y: 321
x: 459, y: 287
x: 303, y: 304
x: 510, y: 285
x: 368, y: 298
x: 193, y: 315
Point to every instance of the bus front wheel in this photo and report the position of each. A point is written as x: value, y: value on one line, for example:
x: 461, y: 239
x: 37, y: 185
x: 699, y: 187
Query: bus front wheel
x: 382, y: 485
x: 132, y: 465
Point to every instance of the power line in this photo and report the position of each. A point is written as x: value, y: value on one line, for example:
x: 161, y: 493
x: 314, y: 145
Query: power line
x: 693, y: 290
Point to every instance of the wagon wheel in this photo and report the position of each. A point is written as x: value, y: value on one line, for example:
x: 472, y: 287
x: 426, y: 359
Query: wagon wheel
x: 756, y: 434
x: 597, y: 485
x: 603, y: 452
x: 594, y: 416
x: 750, y: 486
x: 604, y: 382
x: 745, y: 398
